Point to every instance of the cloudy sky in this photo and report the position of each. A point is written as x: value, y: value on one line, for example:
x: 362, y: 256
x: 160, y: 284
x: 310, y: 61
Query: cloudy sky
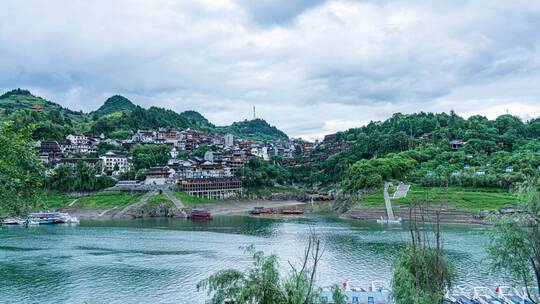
x: 309, y: 67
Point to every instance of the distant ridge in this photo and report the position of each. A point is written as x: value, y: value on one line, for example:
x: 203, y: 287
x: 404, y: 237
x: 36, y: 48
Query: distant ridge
x: 118, y: 117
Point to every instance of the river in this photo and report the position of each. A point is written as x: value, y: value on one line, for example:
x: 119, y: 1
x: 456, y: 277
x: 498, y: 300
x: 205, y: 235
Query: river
x: 161, y: 260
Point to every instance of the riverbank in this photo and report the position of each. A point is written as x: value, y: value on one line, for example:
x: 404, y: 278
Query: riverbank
x: 447, y: 216
x: 164, y: 209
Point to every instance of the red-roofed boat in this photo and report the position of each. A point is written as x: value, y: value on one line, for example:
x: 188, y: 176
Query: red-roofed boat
x: 200, y: 214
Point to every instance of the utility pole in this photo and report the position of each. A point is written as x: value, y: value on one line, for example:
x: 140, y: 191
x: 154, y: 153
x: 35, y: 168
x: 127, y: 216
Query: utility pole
x: 254, y: 116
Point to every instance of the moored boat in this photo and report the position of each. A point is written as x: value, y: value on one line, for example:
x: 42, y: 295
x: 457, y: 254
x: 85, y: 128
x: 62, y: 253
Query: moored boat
x: 484, y: 295
x: 376, y: 293
x: 12, y: 221
x: 200, y: 214
x: 46, y: 218
x: 509, y: 295
x: 257, y: 210
x: 292, y: 212
x: 68, y: 219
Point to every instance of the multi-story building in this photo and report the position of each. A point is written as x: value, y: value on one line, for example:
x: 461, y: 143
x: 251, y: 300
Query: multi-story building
x: 115, y: 162
x: 228, y: 140
x: 236, y: 162
x: 215, y: 188
x: 145, y: 136
x: 78, y: 139
x: 159, y: 176
x: 50, y: 151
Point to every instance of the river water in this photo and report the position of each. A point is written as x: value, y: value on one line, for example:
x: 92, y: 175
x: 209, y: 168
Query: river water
x: 161, y: 260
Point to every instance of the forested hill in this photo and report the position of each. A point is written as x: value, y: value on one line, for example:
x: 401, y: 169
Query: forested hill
x: 114, y: 104
x: 256, y: 128
x: 430, y: 149
x: 118, y: 117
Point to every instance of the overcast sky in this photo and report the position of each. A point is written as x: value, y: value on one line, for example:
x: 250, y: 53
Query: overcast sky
x: 310, y: 67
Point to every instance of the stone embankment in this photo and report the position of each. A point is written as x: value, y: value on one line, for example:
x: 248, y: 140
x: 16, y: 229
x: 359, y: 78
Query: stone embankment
x: 453, y: 216
x: 164, y: 209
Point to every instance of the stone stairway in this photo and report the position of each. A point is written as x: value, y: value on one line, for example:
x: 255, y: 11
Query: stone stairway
x: 401, y: 191
x: 138, y: 204
x: 175, y: 201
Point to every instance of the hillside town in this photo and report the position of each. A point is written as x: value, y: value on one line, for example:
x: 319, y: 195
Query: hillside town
x: 215, y: 174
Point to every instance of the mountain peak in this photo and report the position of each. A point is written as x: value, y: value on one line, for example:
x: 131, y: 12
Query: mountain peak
x: 256, y: 128
x: 16, y: 92
x: 116, y: 103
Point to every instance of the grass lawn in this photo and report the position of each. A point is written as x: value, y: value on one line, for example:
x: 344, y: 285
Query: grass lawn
x: 55, y: 200
x: 193, y: 201
x: 107, y: 200
x: 156, y: 200
x: 472, y: 199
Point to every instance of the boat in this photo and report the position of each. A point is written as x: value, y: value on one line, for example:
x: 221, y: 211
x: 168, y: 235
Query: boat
x: 12, y: 221
x: 509, y: 295
x: 257, y: 210
x: 46, y: 218
x: 200, y: 214
x: 292, y: 212
x: 382, y: 220
x: 68, y: 219
x: 377, y: 293
x: 484, y: 295
x: 459, y: 296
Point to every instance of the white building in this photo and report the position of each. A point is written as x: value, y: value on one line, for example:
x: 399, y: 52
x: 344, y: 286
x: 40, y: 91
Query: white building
x: 174, y: 153
x: 146, y: 136
x: 112, y: 160
x: 78, y: 139
x: 229, y: 140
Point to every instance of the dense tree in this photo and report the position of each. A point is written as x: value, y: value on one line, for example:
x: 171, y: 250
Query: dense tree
x: 422, y: 274
x: 257, y: 172
x: 146, y: 156
x: 515, y: 242
x: 85, y: 178
x: 20, y: 171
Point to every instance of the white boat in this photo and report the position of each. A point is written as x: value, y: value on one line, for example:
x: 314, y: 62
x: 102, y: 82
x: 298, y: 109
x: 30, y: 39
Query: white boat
x: 12, y: 221
x: 377, y: 293
x: 389, y: 221
x: 484, y: 295
x: 458, y: 296
x: 68, y: 219
x: 509, y: 295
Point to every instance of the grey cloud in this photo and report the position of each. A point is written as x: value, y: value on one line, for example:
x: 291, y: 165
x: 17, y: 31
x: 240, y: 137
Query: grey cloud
x: 272, y: 12
x: 310, y: 67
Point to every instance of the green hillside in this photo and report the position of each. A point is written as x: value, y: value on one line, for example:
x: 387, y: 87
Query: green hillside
x: 52, y: 120
x: 118, y: 117
x: 19, y: 99
x: 196, y: 119
x: 124, y: 124
x: 254, y: 129
x: 116, y: 103
x: 417, y: 148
